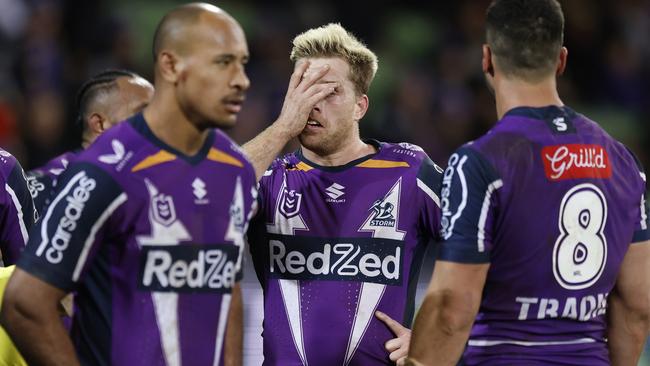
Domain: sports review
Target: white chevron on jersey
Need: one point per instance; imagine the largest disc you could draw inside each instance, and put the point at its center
(290, 289)
(385, 211)
(170, 231)
(165, 232)
(237, 223)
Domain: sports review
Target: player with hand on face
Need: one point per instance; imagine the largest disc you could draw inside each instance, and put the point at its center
(546, 251)
(147, 225)
(344, 221)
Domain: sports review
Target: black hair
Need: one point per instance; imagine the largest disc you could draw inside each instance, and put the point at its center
(97, 85)
(525, 36)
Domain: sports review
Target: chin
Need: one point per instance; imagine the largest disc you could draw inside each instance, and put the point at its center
(224, 122)
(312, 143)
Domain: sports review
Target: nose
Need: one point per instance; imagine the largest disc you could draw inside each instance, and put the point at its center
(239, 79)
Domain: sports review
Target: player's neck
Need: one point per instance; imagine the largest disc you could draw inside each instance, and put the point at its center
(348, 152)
(171, 126)
(513, 93)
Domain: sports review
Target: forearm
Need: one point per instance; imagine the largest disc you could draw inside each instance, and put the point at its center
(440, 332)
(627, 332)
(235, 330)
(39, 336)
(262, 149)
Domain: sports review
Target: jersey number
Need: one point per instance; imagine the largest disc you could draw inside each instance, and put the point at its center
(580, 252)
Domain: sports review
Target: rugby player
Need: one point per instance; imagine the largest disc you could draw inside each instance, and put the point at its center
(17, 212)
(546, 258)
(148, 223)
(104, 100)
(344, 221)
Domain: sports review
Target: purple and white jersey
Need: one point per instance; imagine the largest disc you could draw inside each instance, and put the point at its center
(151, 240)
(17, 213)
(41, 180)
(333, 244)
(552, 202)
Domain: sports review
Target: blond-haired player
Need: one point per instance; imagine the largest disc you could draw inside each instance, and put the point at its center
(344, 221)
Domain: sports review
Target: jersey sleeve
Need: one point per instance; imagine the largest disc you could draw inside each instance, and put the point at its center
(66, 238)
(642, 222)
(469, 207)
(428, 179)
(40, 187)
(257, 232)
(251, 189)
(642, 227)
(18, 216)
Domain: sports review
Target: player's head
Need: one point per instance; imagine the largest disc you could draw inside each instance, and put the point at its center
(334, 120)
(199, 53)
(524, 40)
(108, 98)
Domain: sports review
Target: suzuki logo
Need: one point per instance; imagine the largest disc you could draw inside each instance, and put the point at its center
(199, 191)
(335, 191)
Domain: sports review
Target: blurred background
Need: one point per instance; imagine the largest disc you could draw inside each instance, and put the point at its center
(429, 89)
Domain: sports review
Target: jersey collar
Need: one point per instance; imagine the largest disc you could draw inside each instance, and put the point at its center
(140, 124)
(340, 168)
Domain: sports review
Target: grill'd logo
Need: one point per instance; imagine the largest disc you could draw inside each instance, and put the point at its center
(576, 161)
(342, 259)
(188, 268)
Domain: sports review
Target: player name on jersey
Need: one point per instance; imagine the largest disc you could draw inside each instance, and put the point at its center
(578, 308)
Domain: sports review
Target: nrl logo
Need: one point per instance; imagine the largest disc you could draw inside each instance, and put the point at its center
(163, 209)
(383, 213)
(290, 203)
(237, 216)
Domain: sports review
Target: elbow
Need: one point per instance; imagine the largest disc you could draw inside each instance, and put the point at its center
(455, 311)
(634, 309)
(9, 312)
(641, 310)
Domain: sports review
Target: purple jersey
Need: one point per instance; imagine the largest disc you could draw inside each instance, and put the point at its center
(17, 213)
(338, 243)
(552, 202)
(151, 240)
(41, 180)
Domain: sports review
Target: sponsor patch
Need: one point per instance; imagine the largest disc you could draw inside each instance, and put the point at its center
(575, 161)
(188, 268)
(341, 259)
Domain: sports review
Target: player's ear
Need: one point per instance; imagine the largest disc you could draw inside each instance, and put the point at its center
(486, 62)
(561, 65)
(168, 66)
(361, 107)
(97, 123)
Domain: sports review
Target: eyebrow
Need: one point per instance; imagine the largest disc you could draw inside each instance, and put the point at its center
(230, 57)
(322, 81)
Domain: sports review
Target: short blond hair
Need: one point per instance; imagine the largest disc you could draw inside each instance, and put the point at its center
(332, 40)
